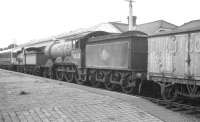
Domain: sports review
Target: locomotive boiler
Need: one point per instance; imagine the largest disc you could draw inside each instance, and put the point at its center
(63, 51)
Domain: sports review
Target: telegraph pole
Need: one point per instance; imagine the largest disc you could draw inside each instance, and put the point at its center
(130, 27)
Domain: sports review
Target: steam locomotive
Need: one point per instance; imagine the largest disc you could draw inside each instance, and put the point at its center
(165, 63)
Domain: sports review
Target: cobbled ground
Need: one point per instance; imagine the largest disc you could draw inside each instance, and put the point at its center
(32, 99)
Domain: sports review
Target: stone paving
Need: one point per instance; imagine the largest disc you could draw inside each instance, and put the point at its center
(24, 98)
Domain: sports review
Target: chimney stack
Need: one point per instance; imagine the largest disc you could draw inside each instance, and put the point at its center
(134, 18)
(131, 18)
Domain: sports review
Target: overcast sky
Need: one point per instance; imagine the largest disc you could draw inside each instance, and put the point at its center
(25, 20)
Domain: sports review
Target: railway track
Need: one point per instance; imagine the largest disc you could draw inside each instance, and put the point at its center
(177, 106)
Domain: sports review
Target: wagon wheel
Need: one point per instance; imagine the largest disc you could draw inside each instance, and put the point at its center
(59, 75)
(169, 93)
(69, 76)
(128, 86)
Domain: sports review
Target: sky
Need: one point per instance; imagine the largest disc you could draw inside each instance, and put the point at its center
(22, 21)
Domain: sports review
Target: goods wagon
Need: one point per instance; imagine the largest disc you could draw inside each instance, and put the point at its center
(35, 56)
(116, 60)
(30, 60)
(5, 57)
(173, 62)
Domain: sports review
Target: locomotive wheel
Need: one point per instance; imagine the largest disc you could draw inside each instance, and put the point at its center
(59, 75)
(127, 86)
(69, 77)
(169, 93)
(96, 84)
(110, 86)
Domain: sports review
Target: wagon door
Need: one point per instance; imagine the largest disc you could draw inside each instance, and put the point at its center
(159, 60)
(195, 55)
(179, 49)
(163, 52)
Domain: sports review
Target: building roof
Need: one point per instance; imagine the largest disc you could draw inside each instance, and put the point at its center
(191, 26)
(112, 27)
(122, 27)
(149, 28)
(155, 27)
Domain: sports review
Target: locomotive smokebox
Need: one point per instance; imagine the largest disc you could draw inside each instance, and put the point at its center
(58, 49)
